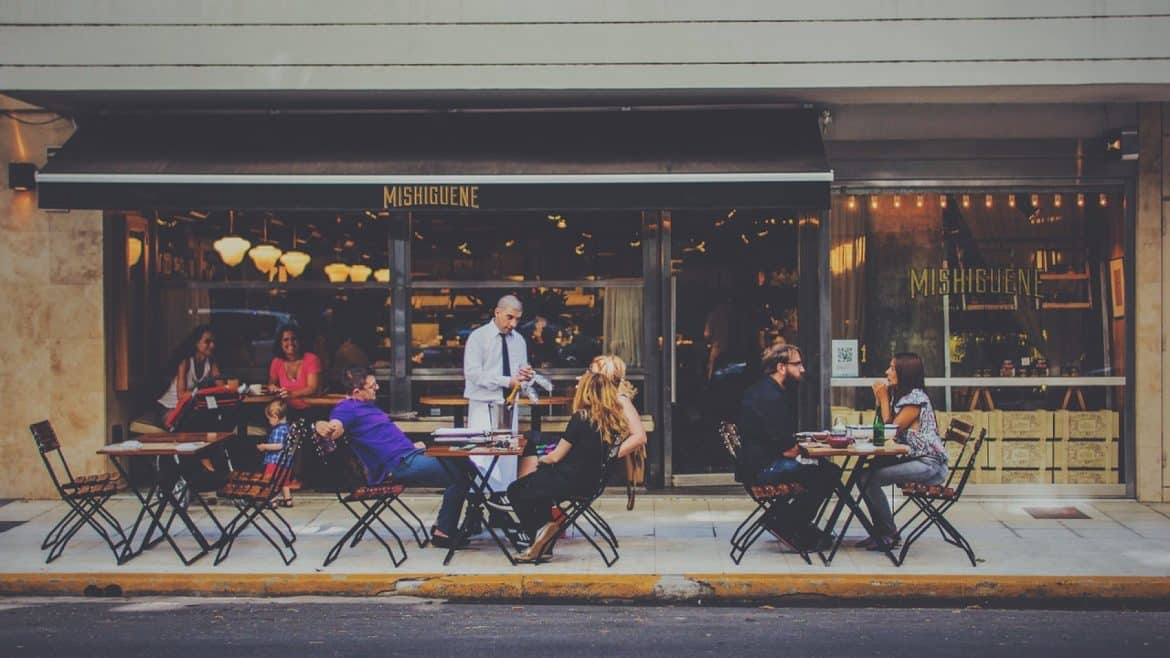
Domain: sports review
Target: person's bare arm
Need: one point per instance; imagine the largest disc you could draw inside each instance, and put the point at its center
(637, 437)
(907, 416)
(558, 453)
(312, 387)
(330, 429)
(181, 378)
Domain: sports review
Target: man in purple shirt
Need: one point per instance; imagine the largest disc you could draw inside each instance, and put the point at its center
(383, 449)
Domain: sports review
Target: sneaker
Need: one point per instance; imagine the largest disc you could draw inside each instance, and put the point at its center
(499, 503)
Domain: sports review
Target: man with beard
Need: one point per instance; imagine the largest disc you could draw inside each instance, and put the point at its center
(767, 424)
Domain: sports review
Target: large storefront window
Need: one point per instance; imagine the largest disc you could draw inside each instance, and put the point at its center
(578, 275)
(324, 273)
(1015, 301)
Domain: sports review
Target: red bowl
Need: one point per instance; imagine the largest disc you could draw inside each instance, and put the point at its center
(839, 442)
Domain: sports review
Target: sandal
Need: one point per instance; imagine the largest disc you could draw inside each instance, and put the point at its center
(284, 502)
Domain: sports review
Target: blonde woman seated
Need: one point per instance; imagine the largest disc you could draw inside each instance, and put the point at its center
(613, 368)
(574, 467)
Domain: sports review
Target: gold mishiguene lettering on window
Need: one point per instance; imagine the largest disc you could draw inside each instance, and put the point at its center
(932, 281)
(407, 196)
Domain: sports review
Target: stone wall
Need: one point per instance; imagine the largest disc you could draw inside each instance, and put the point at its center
(52, 356)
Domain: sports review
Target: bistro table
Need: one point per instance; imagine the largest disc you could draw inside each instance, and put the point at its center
(160, 498)
(327, 400)
(844, 491)
(452, 457)
(460, 403)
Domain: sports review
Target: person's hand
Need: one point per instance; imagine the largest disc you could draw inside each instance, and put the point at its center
(281, 393)
(881, 389)
(420, 445)
(526, 373)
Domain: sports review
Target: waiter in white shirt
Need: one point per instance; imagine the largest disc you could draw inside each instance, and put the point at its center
(495, 360)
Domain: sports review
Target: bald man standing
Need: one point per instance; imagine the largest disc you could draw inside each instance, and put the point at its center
(495, 360)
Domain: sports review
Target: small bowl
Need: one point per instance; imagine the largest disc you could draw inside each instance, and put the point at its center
(861, 432)
(839, 442)
(891, 432)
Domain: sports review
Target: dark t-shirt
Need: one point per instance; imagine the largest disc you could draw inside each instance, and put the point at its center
(767, 423)
(584, 462)
(373, 437)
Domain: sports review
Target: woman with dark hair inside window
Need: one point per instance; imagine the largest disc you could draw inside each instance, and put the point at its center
(190, 366)
(293, 374)
(913, 414)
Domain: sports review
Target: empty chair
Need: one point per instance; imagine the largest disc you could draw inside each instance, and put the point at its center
(86, 496)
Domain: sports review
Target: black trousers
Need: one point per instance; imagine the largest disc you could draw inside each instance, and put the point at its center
(533, 496)
(818, 482)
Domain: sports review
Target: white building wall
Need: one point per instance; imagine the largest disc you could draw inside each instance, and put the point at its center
(535, 45)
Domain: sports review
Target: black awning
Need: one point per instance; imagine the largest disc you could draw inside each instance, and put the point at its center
(488, 160)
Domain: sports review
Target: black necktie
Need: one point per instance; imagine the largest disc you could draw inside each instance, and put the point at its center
(504, 354)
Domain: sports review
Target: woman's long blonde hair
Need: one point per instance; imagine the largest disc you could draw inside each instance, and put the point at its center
(613, 367)
(596, 400)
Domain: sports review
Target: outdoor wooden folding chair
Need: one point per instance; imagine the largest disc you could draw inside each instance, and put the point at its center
(934, 500)
(366, 502)
(768, 498)
(86, 496)
(253, 494)
(577, 509)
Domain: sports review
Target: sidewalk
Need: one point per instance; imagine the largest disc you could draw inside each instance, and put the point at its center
(673, 548)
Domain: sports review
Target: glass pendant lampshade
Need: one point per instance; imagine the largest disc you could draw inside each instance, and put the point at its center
(382, 275)
(264, 257)
(295, 262)
(359, 273)
(133, 251)
(265, 254)
(337, 272)
(231, 248)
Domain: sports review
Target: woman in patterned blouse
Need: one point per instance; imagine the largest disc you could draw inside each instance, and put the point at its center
(913, 414)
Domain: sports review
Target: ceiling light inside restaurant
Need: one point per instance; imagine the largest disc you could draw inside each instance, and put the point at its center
(231, 248)
(359, 273)
(264, 257)
(337, 272)
(295, 262)
(382, 275)
(133, 251)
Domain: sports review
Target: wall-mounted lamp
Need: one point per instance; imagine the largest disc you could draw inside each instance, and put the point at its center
(22, 176)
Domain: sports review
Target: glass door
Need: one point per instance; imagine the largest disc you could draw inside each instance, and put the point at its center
(732, 291)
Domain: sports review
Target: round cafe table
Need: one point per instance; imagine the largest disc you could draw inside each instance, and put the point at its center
(459, 406)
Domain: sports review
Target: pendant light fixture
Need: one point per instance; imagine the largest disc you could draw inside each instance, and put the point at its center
(337, 272)
(265, 254)
(359, 273)
(231, 247)
(382, 275)
(295, 261)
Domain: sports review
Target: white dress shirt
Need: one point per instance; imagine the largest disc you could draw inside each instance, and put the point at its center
(483, 364)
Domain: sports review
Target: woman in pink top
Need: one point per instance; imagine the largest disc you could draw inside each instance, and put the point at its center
(293, 374)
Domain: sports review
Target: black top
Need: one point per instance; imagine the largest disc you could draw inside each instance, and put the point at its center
(767, 423)
(583, 464)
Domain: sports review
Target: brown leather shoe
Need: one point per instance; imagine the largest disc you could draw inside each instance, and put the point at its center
(542, 538)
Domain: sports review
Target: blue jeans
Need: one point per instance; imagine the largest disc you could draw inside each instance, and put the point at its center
(879, 474)
(818, 481)
(416, 469)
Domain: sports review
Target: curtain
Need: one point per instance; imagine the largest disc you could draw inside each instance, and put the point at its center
(622, 320)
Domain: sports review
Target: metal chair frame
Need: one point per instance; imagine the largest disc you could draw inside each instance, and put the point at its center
(252, 494)
(366, 503)
(766, 499)
(86, 496)
(578, 508)
(933, 502)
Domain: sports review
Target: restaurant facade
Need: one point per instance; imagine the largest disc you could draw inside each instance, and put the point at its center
(1017, 248)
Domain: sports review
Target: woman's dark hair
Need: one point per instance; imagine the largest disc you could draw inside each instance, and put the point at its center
(186, 348)
(277, 350)
(911, 375)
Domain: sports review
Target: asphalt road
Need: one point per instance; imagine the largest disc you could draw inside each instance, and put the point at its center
(216, 628)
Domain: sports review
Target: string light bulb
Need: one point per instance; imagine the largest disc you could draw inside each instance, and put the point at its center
(1057, 201)
(1103, 200)
(1011, 201)
(920, 201)
(966, 200)
(1080, 200)
(873, 202)
(1035, 200)
(852, 203)
(897, 200)
(942, 201)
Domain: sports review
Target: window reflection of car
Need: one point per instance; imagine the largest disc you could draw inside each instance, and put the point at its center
(244, 335)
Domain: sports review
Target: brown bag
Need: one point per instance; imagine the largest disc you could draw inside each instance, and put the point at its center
(635, 474)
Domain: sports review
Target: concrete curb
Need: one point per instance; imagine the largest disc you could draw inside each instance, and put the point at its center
(590, 588)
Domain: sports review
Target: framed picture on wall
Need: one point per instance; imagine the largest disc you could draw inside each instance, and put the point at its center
(1117, 286)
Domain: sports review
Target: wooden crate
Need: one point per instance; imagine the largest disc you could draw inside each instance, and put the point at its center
(1022, 449)
(1087, 447)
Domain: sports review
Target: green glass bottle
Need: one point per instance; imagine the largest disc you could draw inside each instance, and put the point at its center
(879, 429)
